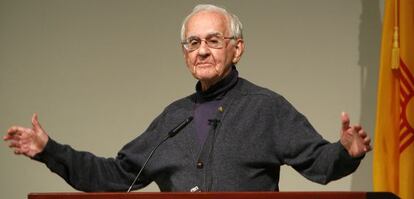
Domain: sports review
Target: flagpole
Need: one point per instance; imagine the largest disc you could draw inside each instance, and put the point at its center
(395, 53)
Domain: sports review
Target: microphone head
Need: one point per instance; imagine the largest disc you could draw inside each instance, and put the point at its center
(177, 129)
(190, 118)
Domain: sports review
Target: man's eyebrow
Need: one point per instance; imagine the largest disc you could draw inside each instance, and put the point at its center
(208, 35)
(192, 37)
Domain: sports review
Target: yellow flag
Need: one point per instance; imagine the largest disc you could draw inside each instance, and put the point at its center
(393, 166)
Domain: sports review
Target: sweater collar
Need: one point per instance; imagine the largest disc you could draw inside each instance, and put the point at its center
(218, 90)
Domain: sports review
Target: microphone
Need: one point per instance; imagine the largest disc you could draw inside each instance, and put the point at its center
(171, 134)
(178, 128)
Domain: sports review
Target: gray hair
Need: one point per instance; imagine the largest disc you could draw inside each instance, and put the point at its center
(235, 25)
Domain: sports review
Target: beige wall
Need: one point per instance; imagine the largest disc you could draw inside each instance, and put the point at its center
(98, 72)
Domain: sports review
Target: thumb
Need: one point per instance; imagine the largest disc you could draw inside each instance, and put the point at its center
(345, 121)
(35, 122)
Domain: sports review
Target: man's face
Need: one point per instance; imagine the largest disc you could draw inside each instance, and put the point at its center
(207, 64)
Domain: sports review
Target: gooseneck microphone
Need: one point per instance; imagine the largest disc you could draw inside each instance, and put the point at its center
(171, 134)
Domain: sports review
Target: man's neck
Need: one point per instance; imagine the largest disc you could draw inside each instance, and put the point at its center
(206, 84)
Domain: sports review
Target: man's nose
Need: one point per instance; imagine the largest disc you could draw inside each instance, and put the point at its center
(204, 50)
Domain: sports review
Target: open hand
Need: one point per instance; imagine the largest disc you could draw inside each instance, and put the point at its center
(354, 138)
(27, 141)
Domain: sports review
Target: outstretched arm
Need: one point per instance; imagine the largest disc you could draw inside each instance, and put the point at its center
(27, 141)
(354, 138)
(82, 170)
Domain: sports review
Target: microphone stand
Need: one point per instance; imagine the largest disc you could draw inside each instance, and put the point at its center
(171, 134)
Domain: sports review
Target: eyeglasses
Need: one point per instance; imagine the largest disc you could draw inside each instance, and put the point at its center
(212, 41)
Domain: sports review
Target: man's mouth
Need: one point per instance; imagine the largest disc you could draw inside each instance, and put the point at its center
(204, 64)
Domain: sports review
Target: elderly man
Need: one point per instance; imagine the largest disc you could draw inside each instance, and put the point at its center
(240, 136)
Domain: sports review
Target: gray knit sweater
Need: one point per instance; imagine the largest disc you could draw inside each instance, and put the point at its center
(257, 132)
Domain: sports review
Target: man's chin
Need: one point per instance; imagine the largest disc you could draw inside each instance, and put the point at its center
(205, 74)
(206, 78)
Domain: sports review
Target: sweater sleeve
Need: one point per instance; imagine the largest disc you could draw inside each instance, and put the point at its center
(85, 171)
(307, 152)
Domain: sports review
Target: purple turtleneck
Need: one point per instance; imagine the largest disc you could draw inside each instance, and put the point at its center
(208, 103)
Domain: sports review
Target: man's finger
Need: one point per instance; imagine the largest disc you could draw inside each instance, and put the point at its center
(358, 127)
(35, 122)
(345, 121)
(7, 137)
(11, 137)
(14, 129)
(14, 144)
(17, 152)
(368, 148)
(367, 140)
(11, 130)
(16, 132)
(362, 133)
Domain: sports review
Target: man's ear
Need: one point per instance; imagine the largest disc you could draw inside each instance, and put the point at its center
(239, 48)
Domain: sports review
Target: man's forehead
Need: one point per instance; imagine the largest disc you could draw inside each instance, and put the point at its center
(206, 23)
(208, 34)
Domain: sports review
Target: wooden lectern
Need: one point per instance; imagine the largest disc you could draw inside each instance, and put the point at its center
(216, 195)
